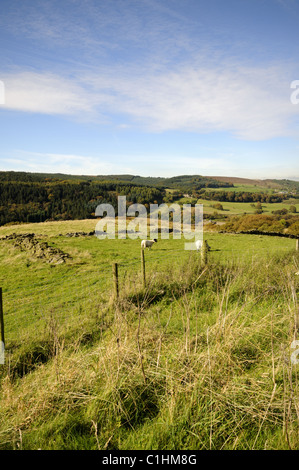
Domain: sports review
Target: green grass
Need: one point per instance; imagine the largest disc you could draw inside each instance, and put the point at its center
(199, 359)
(244, 188)
(238, 208)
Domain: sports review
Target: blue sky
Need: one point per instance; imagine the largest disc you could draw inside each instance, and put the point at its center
(150, 87)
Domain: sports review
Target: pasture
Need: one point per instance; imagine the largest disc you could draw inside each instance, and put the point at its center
(198, 359)
(239, 208)
(252, 188)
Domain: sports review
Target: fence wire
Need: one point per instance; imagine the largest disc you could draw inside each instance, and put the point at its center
(79, 292)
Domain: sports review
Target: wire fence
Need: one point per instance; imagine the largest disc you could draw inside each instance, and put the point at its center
(77, 292)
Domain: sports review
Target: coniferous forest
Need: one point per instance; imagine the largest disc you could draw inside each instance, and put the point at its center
(33, 198)
(38, 197)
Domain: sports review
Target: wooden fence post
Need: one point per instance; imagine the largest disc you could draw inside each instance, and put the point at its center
(2, 344)
(143, 267)
(297, 245)
(115, 279)
(204, 253)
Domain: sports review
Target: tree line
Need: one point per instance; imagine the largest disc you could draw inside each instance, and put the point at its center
(41, 200)
(242, 196)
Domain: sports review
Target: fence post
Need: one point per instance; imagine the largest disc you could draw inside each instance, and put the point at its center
(204, 253)
(115, 279)
(2, 343)
(297, 244)
(143, 267)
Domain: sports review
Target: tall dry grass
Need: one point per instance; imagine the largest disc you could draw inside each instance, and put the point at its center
(199, 359)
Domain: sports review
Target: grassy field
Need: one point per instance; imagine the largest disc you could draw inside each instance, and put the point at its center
(241, 187)
(238, 208)
(198, 359)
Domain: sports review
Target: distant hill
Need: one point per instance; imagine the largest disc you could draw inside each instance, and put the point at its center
(32, 197)
(180, 182)
(36, 197)
(238, 180)
(284, 184)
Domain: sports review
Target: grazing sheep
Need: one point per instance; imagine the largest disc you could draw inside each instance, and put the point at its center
(148, 243)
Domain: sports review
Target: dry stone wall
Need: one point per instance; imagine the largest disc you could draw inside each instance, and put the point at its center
(38, 249)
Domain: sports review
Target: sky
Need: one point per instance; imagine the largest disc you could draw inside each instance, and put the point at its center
(150, 87)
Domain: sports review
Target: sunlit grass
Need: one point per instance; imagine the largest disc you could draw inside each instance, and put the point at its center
(198, 359)
(239, 208)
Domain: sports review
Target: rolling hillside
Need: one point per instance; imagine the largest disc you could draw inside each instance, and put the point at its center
(198, 359)
(166, 182)
(197, 356)
(38, 197)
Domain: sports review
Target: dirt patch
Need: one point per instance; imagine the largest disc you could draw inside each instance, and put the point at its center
(38, 249)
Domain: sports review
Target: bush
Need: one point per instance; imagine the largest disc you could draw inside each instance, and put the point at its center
(218, 206)
(264, 223)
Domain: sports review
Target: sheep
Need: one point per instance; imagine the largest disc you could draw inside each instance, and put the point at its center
(148, 243)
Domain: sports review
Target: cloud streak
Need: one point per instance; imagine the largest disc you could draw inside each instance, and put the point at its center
(64, 163)
(251, 103)
(46, 93)
(142, 65)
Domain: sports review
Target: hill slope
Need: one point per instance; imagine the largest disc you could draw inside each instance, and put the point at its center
(199, 359)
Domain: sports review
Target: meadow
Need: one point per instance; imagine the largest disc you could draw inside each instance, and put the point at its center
(255, 188)
(239, 208)
(199, 358)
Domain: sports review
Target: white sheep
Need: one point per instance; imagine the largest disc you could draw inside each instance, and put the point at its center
(148, 243)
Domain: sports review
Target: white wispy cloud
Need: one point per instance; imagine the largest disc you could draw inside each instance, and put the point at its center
(250, 102)
(141, 61)
(152, 165)
(48, 162)
(45, 93)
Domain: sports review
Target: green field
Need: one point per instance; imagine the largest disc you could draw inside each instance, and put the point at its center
(238, 208)
(245, 188)
(200, 358)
